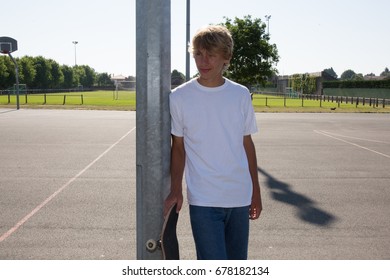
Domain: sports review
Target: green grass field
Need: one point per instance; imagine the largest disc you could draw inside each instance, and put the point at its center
(126, 100)
(100, 100)
(267, 103)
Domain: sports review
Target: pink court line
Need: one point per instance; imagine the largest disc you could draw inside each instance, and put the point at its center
(351, 143)
(47, 200)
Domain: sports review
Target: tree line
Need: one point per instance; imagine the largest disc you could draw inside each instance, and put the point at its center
(353, 76)
(42, 73)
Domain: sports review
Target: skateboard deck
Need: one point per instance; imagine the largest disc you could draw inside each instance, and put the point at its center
(169, 242)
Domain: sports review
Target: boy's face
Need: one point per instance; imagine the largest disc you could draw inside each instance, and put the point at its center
(210, 65)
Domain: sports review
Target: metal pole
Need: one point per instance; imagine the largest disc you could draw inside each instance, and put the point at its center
(153, 140)
(75, 56)
(188, 40)
(267, 17)
(17, 80)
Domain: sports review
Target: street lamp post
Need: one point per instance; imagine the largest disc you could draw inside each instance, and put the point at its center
(75, 56)
(267, 18)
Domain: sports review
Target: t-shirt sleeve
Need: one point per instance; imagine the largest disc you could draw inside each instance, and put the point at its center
(176, 116)
(250, 117)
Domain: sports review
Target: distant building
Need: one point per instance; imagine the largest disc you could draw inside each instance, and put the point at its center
(284, 82)
(123, 83)
(374, 78)
(118, 79)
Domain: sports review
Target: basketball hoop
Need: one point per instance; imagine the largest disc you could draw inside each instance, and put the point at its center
(8, 45)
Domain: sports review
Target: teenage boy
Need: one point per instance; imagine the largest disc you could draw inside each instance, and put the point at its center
(212, 123)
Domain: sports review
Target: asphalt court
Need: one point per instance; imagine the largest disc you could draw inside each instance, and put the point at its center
(67, 186)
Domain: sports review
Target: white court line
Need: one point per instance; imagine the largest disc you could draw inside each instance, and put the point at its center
(357, 138)
(47, 200)
(353, 144)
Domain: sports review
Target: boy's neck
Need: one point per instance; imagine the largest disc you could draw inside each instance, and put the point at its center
(216, 82)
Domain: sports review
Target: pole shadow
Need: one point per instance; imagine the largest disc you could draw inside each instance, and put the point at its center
(306, 209)
(8, 111)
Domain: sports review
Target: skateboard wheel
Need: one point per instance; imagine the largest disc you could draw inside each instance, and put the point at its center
(151, 245)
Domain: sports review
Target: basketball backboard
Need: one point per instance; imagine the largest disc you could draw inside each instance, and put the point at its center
(8, 45)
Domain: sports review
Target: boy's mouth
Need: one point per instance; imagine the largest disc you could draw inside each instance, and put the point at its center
(204, 70)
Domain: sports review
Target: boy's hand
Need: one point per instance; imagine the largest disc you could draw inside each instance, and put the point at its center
(256, 205)
(171, 200)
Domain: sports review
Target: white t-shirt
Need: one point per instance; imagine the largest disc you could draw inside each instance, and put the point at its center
(213, 122)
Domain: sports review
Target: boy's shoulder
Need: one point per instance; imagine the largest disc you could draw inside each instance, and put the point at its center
(237, 85)
(183, 86)
(238, 89)
(181, 89)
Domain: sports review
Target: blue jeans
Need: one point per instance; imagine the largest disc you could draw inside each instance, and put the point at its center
(220, 233)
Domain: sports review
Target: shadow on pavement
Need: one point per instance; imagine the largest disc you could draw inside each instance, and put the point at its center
(307, 211)
(7, 111)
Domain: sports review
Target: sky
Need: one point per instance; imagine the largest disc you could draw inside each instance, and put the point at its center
(310, 35)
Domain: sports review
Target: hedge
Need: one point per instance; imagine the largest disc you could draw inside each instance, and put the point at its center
(357, 84)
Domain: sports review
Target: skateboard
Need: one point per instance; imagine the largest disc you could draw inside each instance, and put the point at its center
(168, 242)
(168, 238)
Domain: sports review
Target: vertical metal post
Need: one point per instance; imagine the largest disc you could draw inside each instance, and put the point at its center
(75, 54)
(267, 18)
(188, 23)
(153, 64)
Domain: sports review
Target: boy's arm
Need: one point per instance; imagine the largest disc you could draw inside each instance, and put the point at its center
(256, 205)
(177, 168)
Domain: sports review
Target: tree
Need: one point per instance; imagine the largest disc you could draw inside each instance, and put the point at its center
(84, 75)
(90, 76)
(347, 75)
(5, 72)
(27, 70)
(103, 79)
(253, 55)
(177, 78)
(386, 73)
(331, 72)
(56, 74)
(304, 83)
(358, 77)
(41, 73)
(79, 75)
(43, 76)
(352, 76)
(69, 77)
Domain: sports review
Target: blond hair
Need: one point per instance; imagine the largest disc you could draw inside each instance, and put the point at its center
(214, 38)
